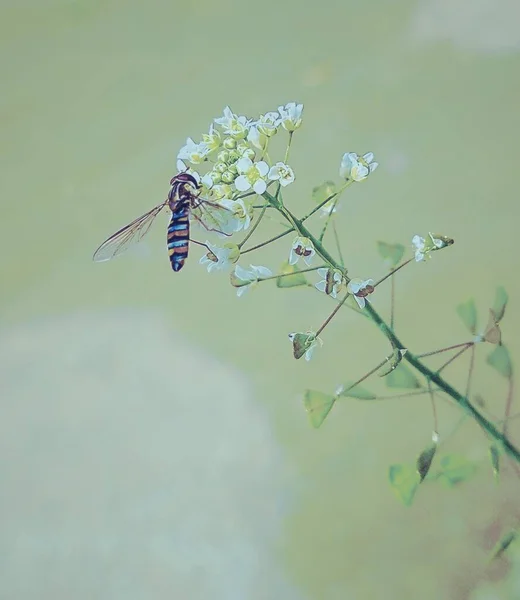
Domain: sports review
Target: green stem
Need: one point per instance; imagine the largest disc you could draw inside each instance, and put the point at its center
(288, 274)
(332, 314)
(304, 232)
(338, 247)
(444, 386)
(392, 272)
(331, 197)
(414, 361)
(288, 147)
(269, 241)
(327, 222)
(252, 230)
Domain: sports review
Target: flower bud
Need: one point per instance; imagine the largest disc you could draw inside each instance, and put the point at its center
(223, 156)
(228, 177)
(234, 155)
(216, 177)
(229, 143)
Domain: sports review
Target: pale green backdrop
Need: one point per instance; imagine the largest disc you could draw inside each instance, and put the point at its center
(154, 444)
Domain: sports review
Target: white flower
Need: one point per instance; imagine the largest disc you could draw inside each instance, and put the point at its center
(235, 216)
(252, 175)
(256, 138)
(268, 123)
(222, 191)
(282, 173)
(331, 282)
(301, 247)
(419, 245)
(304, 344)
(261, 130)
(423, 247)
(195, 153)
(233, 125)
(291, 116)
(212, 140)
(220, 258)
(244, 279)
(356, 167)
(360, 289)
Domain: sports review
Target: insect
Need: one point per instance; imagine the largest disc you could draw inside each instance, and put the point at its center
(182, 198)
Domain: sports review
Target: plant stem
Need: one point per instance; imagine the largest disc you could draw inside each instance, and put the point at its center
(331, 197)
(304, 232)
(338, 247)
(432, 376)
(329, 217)
(278, 275)
(269, 241)
(331, 316)
(252, 230)
(448, 389)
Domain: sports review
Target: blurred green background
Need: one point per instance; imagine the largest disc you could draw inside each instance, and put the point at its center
(154, 444)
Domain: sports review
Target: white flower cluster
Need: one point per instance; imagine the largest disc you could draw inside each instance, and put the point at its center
(235, 149)
(232, 166)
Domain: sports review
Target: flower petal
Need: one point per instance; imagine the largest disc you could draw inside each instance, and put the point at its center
(308, 259)
(274, 173)
(321, 285)
(262, 167)
(259, 186)
(243, 274)
(261, 271)
(360, 301)
(293, 257)
(244, 164)
(242, 183)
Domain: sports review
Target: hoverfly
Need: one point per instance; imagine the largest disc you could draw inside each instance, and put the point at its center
(182, 198)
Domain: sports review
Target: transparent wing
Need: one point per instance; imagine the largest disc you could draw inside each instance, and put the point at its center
(132, 233)
(211, 216)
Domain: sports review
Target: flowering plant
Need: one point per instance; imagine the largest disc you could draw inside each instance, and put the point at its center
(243, 185)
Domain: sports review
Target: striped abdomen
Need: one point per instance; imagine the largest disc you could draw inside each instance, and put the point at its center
(179, 234)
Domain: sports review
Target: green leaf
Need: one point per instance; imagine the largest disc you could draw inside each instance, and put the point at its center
(402, 377)
(499, 306)
(503, 544)
(468, 313)
(455, 469)
(404, 480)
(391, 253)
(291, 277)
(424, 461)
(356, 391)
(317, 405)
(323, 191)
(494, 454)
(499, 359)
